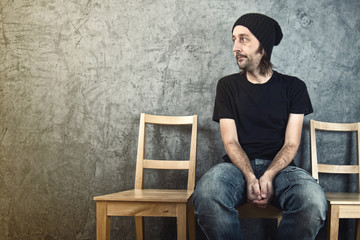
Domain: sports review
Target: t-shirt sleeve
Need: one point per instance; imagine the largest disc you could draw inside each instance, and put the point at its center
(299, 98)
(223, 106)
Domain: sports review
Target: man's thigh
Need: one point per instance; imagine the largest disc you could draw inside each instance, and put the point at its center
(295, 184)
(224, 181)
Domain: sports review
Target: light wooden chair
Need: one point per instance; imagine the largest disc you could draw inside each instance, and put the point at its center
(250, 211)
(141, 202)
(340, 204)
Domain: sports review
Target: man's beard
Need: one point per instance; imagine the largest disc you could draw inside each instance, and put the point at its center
(244, 63)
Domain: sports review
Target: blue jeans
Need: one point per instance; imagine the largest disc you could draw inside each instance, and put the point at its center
(223, 188)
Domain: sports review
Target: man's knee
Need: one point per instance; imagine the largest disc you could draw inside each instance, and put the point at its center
(314, 197)
(308, 199)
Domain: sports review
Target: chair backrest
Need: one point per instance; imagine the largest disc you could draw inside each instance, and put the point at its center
(333, 168)
(143, 163)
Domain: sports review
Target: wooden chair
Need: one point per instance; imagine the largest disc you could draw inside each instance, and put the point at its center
(141, 202)
(250, 211)
(340, 204)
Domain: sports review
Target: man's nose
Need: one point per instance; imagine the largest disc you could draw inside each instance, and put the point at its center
(237, 47)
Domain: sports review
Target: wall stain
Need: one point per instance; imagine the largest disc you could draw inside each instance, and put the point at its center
(303, 17)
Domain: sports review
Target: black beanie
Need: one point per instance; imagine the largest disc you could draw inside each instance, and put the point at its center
(264, 28)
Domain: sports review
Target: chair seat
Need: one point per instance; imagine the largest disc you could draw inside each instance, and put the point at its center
(343, 198)
(250, 211)
(148, 195)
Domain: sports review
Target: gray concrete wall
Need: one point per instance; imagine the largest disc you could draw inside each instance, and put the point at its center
(75, 75)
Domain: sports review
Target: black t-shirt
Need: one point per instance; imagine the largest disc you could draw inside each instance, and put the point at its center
(260, 111)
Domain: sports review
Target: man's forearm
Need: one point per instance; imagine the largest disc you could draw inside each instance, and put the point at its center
(282, 159)
(240, 160)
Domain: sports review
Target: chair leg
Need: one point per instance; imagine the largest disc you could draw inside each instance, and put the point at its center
(102, 221)
(334, 222)
(357, 237)
(139, 223)
(328, 224)
(181, 221)
(191, 223)
(278, 220)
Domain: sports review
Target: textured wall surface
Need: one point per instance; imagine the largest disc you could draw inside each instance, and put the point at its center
(76, 74)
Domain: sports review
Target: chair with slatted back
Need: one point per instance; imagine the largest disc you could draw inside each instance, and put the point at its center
(340, 204)
(140, 202)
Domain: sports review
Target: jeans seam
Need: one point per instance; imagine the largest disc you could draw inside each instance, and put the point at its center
(235, 189)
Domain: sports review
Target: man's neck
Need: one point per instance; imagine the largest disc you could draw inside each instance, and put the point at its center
(256, 78)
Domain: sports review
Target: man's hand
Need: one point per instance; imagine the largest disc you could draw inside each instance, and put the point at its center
(253, 190)
(266, 192)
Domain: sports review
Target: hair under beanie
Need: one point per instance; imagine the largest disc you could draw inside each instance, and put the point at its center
(265, 29)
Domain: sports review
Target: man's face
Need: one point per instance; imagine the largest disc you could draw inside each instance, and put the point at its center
(246, 48)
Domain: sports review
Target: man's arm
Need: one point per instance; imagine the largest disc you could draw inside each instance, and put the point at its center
(283, 158)
(290, 147)
(238, 157)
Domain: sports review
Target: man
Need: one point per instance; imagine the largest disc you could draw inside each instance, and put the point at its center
(261, 115)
